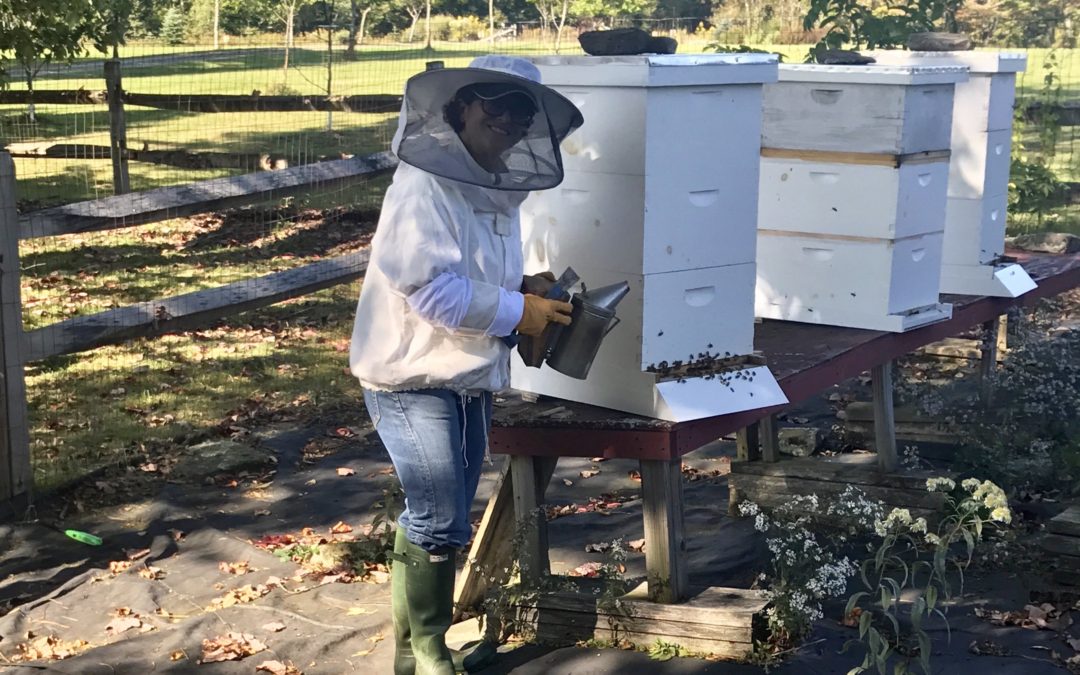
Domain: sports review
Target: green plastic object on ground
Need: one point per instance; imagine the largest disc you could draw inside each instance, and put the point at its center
(84, 537)
(77, 535)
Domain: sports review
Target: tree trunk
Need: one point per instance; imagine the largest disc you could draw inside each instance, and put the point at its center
(491, 21)
(217, 18)
(30, 111)
(560, 24)
(363, 22)
(354, 21)
(288, 43)
(427, 24)
(412, 27)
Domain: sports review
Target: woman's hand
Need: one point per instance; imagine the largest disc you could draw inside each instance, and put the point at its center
(539, 312)
(537, 284)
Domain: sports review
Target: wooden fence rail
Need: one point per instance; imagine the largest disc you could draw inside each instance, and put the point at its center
(213, 103)
(164, 203)
(156, 317)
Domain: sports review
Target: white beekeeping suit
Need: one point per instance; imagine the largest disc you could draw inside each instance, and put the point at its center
(443, 284)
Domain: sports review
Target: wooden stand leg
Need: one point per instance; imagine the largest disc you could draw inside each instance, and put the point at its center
(491, 553)
(992, 335)
(529, 487)
(665, 545)
(747, 448)
(884, 421)
(768, 435)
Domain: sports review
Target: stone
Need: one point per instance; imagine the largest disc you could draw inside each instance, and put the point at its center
(843, 57)
(661, 44)
(798, 441)
(617, 42)
(1046, 242)
(215, 457)
(938, 42)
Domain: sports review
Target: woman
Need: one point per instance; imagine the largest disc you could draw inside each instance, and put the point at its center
(443, 294)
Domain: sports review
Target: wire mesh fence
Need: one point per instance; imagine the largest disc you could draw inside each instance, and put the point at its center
(194, 113)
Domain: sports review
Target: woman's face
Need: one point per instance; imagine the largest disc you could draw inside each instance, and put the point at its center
(490, 128)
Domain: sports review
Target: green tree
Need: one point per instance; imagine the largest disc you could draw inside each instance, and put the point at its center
(610, 10)
(34, 33)
(174, 25)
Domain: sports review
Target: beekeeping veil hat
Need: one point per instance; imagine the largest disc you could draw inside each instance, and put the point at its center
(426, 140)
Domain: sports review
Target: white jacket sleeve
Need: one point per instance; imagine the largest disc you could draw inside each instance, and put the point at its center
(418, 249)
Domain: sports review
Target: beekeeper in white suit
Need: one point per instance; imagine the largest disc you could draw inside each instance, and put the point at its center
(443, 294)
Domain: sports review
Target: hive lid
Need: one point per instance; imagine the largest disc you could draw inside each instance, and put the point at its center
(977, 62)
(697, 397)
(906, 75)
(657, 70)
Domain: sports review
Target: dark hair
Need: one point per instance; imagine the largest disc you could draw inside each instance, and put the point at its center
(455, 107)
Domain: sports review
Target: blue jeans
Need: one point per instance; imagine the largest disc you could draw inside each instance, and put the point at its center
(437, 441)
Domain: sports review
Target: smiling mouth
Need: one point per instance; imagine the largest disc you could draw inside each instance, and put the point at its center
(499, 130)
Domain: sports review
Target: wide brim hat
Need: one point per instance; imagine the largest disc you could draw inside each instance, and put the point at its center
(534, 163)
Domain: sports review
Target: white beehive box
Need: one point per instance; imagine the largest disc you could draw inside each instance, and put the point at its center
(979, 173)
(895, 110)
(661, 191)
(852, 199)
(880, 284)
(853, 194)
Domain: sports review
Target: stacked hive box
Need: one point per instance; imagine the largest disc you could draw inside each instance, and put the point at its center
(979, 171)
(855, 163)
(660, 191)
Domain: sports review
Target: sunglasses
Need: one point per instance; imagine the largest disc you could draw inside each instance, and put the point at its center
(519, 106)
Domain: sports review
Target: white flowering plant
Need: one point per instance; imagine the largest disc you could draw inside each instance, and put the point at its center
(807, 567)
(1030, 436)
(913, 558)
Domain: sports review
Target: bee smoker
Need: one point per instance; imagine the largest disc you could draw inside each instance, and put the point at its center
(571, 349)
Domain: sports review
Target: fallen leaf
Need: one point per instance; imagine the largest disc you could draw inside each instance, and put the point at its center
(345, 471)
(341, 528)
(277, 668)
(636, 544)
(124, 623)
(589, 569)
(274, 626)
(635, 475)
(567, 482)
(595, 460)
(149, 467)
(237, 596)
(987, 648)
(230, 647)
(262, 512)
(237, 568)
(47, 647)
(178, 655)
(598, 548)
(589, 473)
(176, 535)
(1074, 643)
(359, 611)
(119, 566)
(152, 573)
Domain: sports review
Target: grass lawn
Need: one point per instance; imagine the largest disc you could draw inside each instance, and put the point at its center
(122, 403)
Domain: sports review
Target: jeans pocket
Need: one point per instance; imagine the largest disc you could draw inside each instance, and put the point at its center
(371, 401)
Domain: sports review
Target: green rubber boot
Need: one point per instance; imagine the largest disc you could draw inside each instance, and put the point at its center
(429, 595)
(404, 661)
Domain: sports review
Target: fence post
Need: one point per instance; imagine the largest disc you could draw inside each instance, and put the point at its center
(15, 473)
(117, 128)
